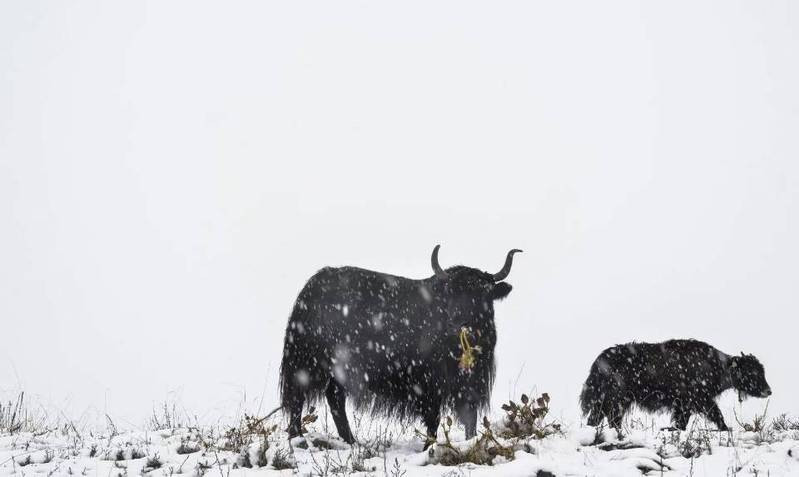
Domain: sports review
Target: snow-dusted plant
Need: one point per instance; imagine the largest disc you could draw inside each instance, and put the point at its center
(785, 423)
(480, 450)
(283, 459)
(759, 429)
(251, 440)
(166, 417)
(528, 419)
(187, 446)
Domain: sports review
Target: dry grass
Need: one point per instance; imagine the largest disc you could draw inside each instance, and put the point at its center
(16, 416)
(166, 416)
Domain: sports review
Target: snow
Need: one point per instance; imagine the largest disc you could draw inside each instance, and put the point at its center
(385, 449)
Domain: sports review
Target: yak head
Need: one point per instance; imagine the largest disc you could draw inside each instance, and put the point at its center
(468, 291)
(748, 376)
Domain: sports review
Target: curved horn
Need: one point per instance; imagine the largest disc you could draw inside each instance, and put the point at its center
(502, 274)
(440, 273)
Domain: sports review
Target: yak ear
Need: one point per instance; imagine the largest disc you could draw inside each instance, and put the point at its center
(500, 290)
(735, 371)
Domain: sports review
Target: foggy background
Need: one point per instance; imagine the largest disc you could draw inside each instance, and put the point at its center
(172, 172)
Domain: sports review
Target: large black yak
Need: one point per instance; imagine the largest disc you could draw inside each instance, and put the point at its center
(681, 376)
(396, 347)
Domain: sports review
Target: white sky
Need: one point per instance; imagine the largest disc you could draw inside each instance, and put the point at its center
(172, 172)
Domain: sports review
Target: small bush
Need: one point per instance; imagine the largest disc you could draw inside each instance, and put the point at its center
(282, 460)
(136, 453)
(528, 419)
(696, 443)
(482, 451)
(250, 429)
(785, 423)
(187, 447)
(758, 423)
(152, 463)
(201, 468)
(521, 423)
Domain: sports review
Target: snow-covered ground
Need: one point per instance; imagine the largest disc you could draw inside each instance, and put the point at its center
(393, 450)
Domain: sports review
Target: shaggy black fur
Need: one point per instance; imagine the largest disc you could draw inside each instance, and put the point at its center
(681, 376)
(391, 344)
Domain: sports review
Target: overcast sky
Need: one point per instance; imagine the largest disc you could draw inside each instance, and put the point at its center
(172, 172)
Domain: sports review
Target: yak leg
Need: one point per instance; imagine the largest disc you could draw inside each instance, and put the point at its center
(337, 399)
(615, 411)
(713, 413)
(614, 420)
(432, 418)
(595, 415)
(467, 414)
(595, 418)
(681, 416)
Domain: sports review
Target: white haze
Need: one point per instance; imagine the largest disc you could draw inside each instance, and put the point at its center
(172, 172)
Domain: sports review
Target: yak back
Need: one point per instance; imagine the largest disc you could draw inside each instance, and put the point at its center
(391, 341)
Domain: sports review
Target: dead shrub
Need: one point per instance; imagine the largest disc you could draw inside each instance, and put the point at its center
(482, 451)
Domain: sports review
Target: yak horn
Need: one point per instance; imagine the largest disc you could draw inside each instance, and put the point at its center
(502, 274)
(440, 273)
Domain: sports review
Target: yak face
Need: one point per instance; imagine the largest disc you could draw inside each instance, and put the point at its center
(470, 293)
(748, 376)
(476, 285)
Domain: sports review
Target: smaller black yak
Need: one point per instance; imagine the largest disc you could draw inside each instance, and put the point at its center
(681, 376)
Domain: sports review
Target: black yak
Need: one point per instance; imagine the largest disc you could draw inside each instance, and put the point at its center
(681, 376)
(396, 347)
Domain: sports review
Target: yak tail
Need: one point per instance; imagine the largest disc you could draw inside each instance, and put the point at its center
(296, 379)
(594, 393)
(302, 374)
